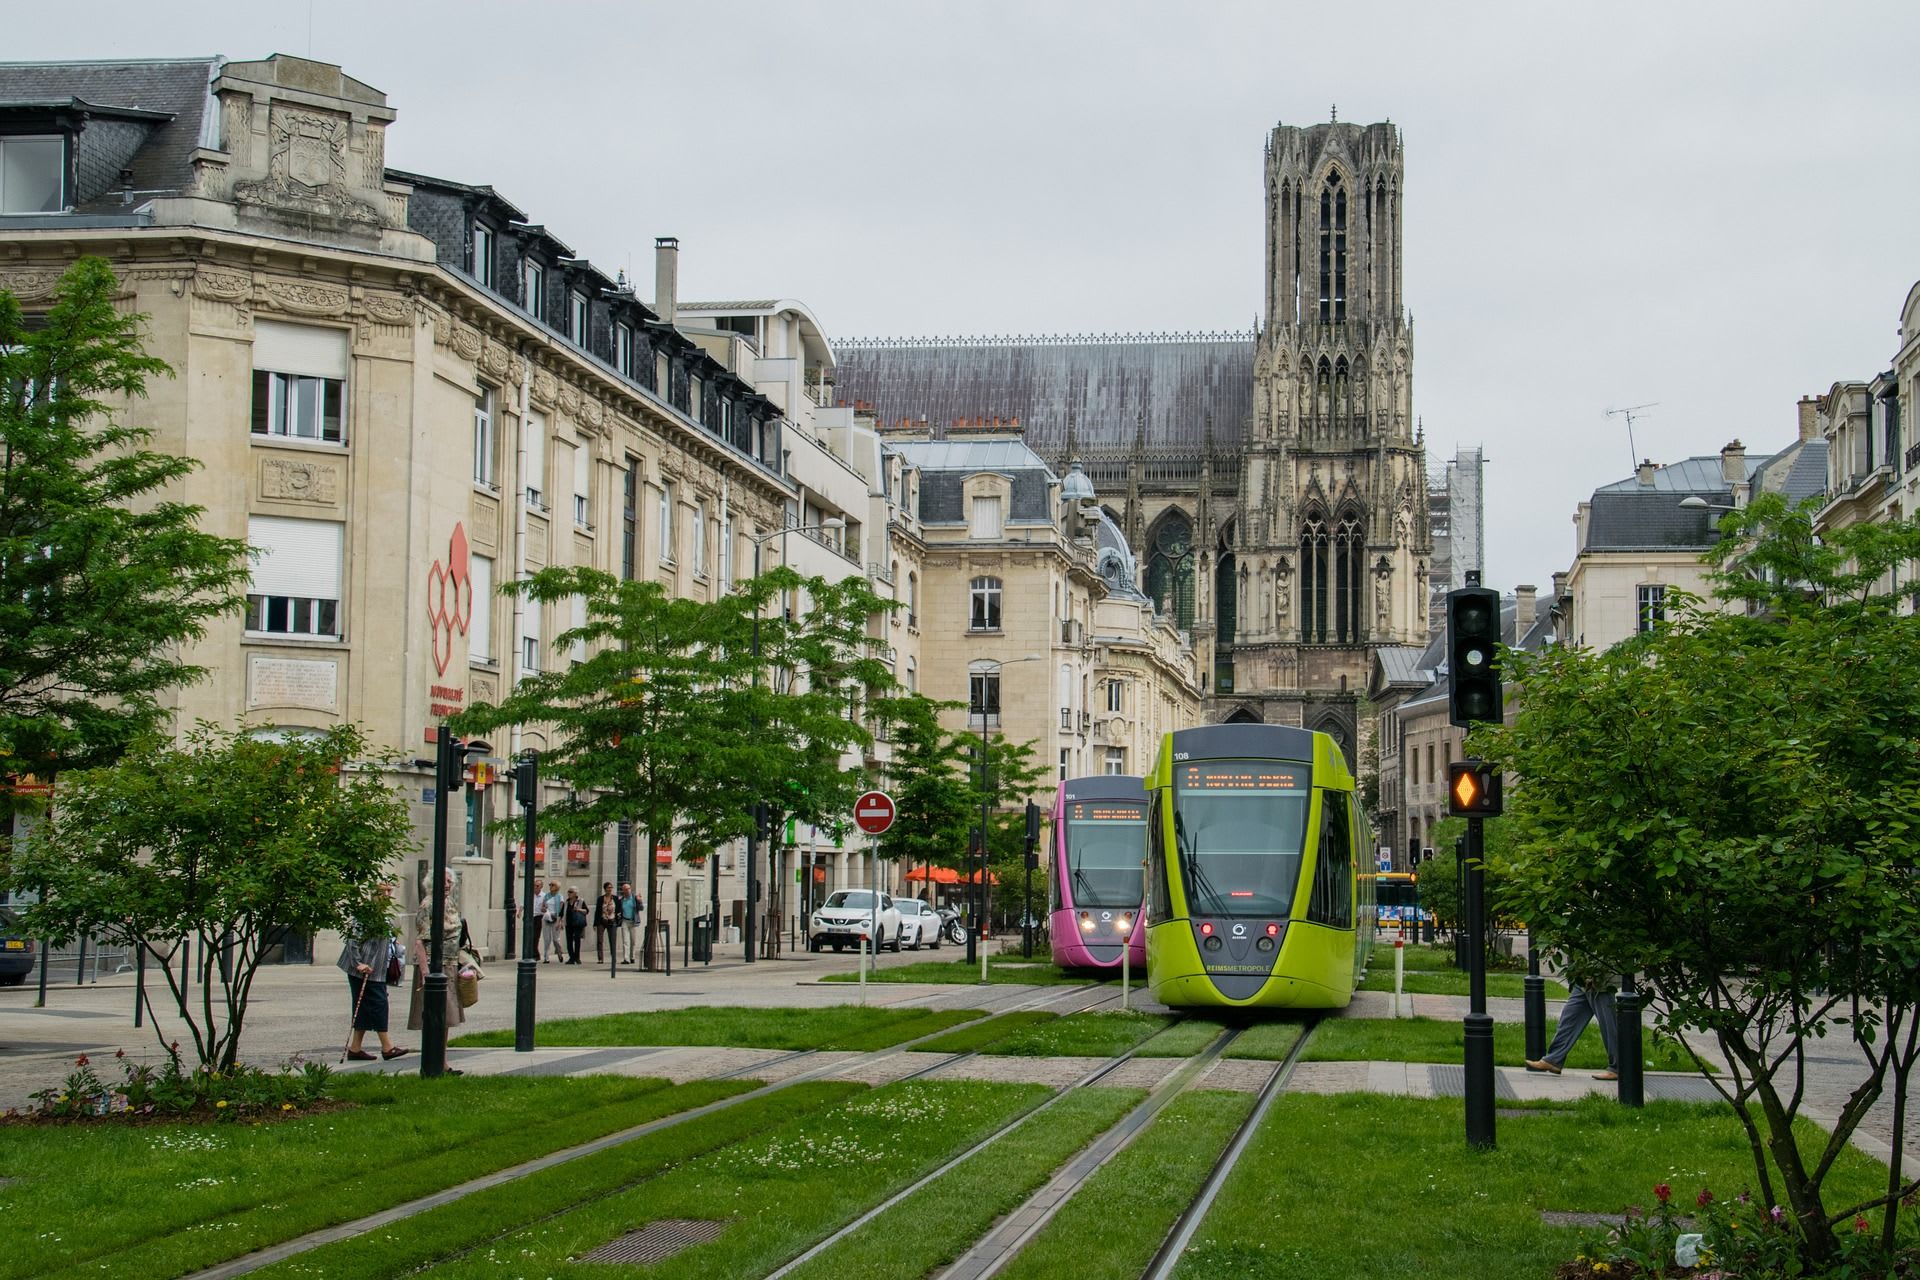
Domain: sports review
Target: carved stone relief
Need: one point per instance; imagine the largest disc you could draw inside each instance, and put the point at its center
(308, 299)
(389, 310)
(223, 286)
(297, 480)
(494, 359)
(544, 388)
(307, 167)
(486, 522)
(466, 341)
(29, 286)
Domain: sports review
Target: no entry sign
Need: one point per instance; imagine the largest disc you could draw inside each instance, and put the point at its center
(873, 812)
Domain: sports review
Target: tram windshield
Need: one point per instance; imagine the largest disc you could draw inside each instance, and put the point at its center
(1241, 826)
(1106, 842)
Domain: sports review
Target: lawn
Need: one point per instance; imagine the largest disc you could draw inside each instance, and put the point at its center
(1081, 1035)
(1183, 1039)
(840, 1026)
(1421, 1202)
(776, 1193)
(939, 1222)
(1155, 1178)
(999, 969)
(1435, 1040)
(982, 1034)
(1451, 982)
(1270, 1041)
(453, 1230)
(164, 1199)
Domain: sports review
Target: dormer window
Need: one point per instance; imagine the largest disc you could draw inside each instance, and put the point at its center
(533, 286)
(577, 317)
(483, 255)
(33, 174)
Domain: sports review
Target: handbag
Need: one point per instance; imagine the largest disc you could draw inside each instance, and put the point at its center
(466, 981)
(396, 962)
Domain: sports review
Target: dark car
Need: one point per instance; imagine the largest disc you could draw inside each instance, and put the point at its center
(16, 950)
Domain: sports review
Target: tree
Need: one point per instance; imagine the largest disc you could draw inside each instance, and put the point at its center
(1730, 805)
(102, 579)
(934, 806)
(220, 843)
(1015, 777)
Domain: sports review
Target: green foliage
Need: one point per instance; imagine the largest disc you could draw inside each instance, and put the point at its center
(934, 807)
(841, 1026)
(1730, 805)
(102, 578)
(218, 841)
(244, 1092)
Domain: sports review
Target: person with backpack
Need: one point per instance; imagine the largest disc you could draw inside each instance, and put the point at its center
(576, 909)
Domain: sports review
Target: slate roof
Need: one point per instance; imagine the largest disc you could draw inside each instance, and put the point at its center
(1109, 386)
(945, 465)
(1689, 475)
(1650, 521)
(179, 87)
(1400, 664)
(1797, 472)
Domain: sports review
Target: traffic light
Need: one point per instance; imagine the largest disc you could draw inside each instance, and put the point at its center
(526, 780)
(1473, 790)
(1033, 836)
(1473, 653)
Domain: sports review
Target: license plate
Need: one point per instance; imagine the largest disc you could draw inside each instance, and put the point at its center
(16, 944)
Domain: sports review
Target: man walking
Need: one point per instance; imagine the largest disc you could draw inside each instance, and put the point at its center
(1589, 998)
(629, 920)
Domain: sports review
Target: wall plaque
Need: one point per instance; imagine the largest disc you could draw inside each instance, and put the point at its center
(295, 480)
(307, 683)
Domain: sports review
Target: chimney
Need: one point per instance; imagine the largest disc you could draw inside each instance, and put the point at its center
(1523, 611)
(1733, 462)
(1646, 471)
(666, 275)
(1809, 418)
(1560, 586)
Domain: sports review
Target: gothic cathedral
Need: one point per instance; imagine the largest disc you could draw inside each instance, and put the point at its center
(1273, 484)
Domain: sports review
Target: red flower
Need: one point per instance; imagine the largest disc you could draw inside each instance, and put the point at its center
(1662, 1192)
(80, 1061)
(1704, 1199)
(119, 1053)
(1860, 1224)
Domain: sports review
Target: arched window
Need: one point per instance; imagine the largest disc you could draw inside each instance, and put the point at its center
(1170, 568)
(1226, 597)
(985, 612)
(913, 599)
(1333, 251)
(1313, 581)
(1332, 566)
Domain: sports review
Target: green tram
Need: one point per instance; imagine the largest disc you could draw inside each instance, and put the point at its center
(1259, 884)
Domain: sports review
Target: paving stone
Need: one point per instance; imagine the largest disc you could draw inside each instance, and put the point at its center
(1243, 1075)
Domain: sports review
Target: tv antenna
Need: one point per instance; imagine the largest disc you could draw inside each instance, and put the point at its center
(1628, 413)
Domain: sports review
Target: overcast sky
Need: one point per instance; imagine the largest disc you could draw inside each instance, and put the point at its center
(1715, 207)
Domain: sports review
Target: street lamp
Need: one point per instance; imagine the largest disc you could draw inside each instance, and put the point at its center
(760, 816)
(1694, 502)
(978, 934)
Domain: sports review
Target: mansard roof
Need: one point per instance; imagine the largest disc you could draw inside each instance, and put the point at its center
(1111, 387)
(169, 98)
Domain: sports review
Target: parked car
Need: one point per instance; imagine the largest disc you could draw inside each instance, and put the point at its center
(16, 950)
(844, 918)
(920, 924)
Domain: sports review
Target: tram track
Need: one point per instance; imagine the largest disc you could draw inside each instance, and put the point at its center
(1167, 1258)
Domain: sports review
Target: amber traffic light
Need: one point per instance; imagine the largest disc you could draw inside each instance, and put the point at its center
(1473, 790)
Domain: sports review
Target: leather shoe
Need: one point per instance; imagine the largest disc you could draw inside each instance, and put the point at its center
(1608, 1074)
(1541, 1064)
(398, 1051)
(359, 1055)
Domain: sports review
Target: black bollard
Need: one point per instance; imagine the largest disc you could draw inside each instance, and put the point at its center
(1626, 1043)
(45, 957)
(1534, 989)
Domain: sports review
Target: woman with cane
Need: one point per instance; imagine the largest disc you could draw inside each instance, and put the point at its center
(364, 960)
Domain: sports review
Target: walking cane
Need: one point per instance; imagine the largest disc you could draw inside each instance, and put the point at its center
(356, 1016)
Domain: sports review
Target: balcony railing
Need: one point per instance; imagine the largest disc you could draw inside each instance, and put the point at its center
(1913, 455)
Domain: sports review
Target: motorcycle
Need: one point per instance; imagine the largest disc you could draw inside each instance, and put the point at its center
(950, 927)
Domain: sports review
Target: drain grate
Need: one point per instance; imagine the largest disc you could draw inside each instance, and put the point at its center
(655, 1241)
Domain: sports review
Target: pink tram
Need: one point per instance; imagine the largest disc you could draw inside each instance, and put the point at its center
(1099, 873)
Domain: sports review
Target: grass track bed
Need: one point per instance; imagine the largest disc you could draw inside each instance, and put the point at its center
(1010, 969)
(162, 1200)
(1081, 1035)
(778, 1192)
(842, 1026)
(1266, 1041)
(1183, 1039)
(1421, 1204)
(939, 1222)
(1155, 1178)
(990, 1032)
(1434, 1040)
(1450, 982)
(439, 1234)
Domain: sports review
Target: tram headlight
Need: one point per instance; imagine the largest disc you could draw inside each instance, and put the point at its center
(1211, 943)
(1086, 922)
(1125, 923)
(1263, 944)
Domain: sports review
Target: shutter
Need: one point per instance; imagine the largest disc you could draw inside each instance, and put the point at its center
(480, 625)
(300, 348)
(533, 447)
(582, 470)
(297, 557)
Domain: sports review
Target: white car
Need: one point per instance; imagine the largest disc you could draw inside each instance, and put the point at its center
(919, 924)
(844, 918)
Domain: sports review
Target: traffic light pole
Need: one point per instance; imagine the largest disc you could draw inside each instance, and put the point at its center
(526, 789)
(433, 1009)
(1479, 1025)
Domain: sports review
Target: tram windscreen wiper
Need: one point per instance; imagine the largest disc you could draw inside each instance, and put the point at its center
(1190, 863)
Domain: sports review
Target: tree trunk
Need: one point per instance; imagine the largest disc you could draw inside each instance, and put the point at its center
(650, 960)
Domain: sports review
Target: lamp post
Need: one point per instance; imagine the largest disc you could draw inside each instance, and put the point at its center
(449, 769)
(760, 814)
(978, 934)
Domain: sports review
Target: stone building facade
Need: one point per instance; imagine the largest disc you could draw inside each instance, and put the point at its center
(1271, 486)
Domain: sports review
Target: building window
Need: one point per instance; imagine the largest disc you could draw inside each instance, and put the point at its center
(986, 517)
(480, 623)
(1653, 607)
(33, 173)
(1332, 565)
(482, 255)
(983, 694)
(985, 615)
(1116, 695)
(299, 382)
(1066, 762)
(533, 458)
(533, 287)
(726, 555)
(1170, 569)
(1116, 762)
(530, 639)
(700, 539)
(582, 486)
(666, 522)
(623, 349)
(913, 599)
(485, 446)
(629, 519)
(294, 588)
(913, 677)
(579, 649)
(577, 317)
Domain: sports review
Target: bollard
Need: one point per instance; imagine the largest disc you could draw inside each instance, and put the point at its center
(80, 965)
(1626, 1044)
(1534, 989)
(139, 984)
(1399, 971)
(45, 957)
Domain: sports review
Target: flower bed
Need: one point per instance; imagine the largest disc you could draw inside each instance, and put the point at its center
(172, 1093)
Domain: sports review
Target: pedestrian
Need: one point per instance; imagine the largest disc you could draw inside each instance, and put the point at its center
(451, 926)
(606, 918)
(364, 959)
(576, 910)
(1589, 998)
(553, 921)
(629, 920)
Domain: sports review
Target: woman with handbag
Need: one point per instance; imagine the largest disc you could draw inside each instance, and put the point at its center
(450, 926)
(366, 959)
(576, 925)
(606, 918)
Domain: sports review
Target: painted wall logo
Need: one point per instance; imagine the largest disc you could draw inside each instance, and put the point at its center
(450, 598)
